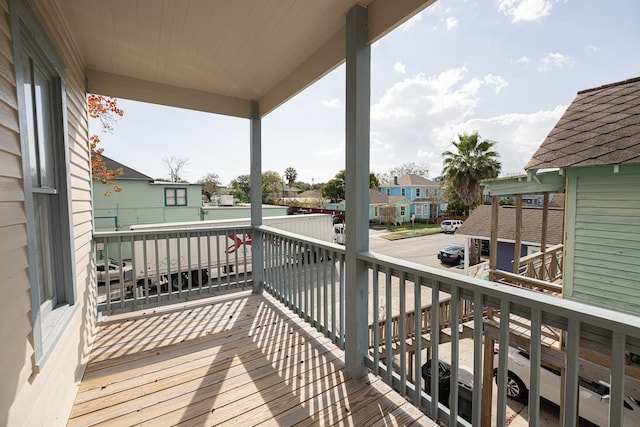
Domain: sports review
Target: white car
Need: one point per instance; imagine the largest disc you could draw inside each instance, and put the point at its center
(450, 225)
(594, 399)
(114, 270)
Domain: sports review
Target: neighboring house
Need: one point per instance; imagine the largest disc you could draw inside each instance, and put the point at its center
(427, 197)
(595, 148)
(144, 200)
(378, 202)
(478, 226)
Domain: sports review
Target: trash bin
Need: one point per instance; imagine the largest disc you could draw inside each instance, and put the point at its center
(444, 380)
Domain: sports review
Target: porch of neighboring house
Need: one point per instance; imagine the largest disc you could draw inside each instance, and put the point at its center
(238, 358)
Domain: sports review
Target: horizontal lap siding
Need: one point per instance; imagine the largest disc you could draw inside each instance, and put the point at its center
(606, 267)
(45, 397)
(15, 305)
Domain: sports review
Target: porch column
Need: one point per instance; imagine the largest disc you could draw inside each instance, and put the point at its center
(255, 154)
(358, 82)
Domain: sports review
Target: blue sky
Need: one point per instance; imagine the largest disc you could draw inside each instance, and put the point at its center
(505, 68)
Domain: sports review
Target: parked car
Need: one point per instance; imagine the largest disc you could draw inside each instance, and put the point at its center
(301, 212)
(450, 225)
(452, 254)
(594, 398)
(465, 386)
(114, 270)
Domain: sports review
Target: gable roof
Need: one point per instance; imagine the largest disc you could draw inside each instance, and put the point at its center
(411, 179)
(376, 197)
(478, 225)
(128, 173)
(600, 127)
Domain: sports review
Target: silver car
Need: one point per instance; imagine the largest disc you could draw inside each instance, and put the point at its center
(594, 398)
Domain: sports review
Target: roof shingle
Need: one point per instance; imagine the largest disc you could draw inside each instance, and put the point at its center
(600, 127)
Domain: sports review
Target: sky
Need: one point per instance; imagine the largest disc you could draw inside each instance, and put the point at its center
(507, 69)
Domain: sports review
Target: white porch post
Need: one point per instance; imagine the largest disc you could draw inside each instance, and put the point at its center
(257, 264)
(358, 82)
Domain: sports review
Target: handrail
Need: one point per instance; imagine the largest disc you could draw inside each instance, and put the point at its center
(545, 266)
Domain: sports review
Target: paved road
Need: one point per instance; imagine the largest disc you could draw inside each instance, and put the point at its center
(422, 250)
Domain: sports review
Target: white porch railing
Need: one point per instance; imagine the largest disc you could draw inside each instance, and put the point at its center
(307, 275)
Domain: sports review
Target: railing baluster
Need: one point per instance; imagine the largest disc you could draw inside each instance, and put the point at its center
(455, 354)
(616, 389)
(435, 342)
(571, 373)
(534, 374)
(503, 357)
(375, 330)
(388, 340)
(403, 334)
(417, 340)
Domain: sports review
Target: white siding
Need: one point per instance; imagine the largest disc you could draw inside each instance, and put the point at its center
(29, 397)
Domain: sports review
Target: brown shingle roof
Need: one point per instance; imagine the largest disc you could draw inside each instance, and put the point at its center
(479, 224)
(600, 127)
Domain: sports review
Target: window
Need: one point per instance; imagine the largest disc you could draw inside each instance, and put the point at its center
(388, 191)
(403, 210)
(403, 192)
(417, 191)
(175, 197)
(376, 211)
(41, 106)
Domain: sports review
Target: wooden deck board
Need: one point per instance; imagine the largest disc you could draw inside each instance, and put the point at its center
(239, 359)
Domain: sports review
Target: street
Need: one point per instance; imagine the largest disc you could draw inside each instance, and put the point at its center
(421, 250)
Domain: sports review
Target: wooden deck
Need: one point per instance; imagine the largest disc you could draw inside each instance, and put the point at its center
(239, 359)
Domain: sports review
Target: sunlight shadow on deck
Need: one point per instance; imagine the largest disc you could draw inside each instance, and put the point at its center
(238, 359)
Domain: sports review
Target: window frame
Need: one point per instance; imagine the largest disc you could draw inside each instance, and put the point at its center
(403, 210)
(51, 317)
(175, 190)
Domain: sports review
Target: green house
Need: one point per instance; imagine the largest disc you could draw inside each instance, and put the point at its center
(595, 151)
(144, 200)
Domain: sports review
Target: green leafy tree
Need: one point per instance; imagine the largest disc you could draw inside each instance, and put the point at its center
(335, 188)
(290, 174)
(473, 160)
(240, 188)
(272, 186)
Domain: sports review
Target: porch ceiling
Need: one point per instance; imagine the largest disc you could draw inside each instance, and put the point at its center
(217, 55)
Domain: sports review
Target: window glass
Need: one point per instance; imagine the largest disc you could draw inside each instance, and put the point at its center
(170, 197)
(181, 196)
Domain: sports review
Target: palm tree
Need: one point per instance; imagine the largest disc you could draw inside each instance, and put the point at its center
(474, 161)
(290, 174)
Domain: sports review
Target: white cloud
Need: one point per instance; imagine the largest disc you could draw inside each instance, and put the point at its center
(522, 60)
(555, 60)
(591, 49)
(497, 81)
(451, 22)
(399, 67)
(411, 22)
(526, 10)
(332, 103)
(418, 117)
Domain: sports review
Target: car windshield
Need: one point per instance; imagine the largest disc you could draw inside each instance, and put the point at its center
(453, 248)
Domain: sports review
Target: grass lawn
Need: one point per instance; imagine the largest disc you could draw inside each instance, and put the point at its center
(407, 231)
